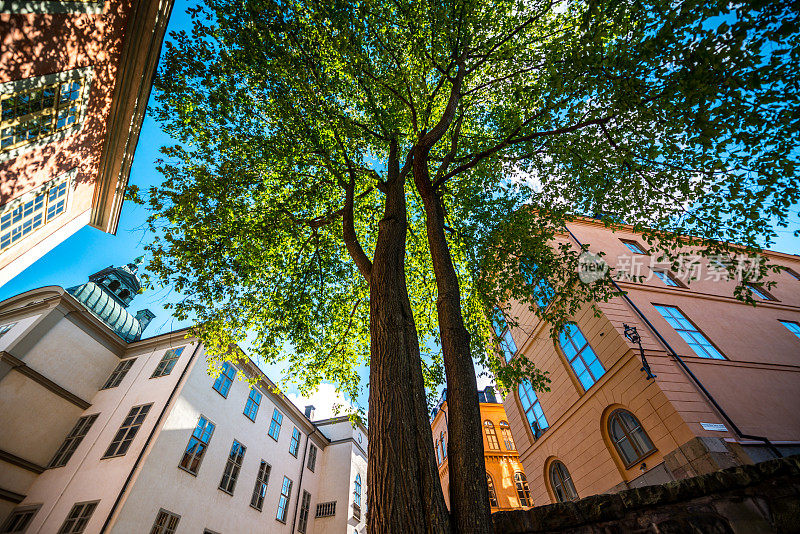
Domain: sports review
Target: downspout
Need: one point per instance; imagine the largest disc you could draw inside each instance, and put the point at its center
(149, 438)
(300, 478)
(686, 369)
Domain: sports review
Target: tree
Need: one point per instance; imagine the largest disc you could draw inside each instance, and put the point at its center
(344, 166)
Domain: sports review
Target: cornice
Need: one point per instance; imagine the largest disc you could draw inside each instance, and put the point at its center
(21, 367)
(13, 459)
(689, 292)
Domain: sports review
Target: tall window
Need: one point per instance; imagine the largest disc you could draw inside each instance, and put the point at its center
(491, 436)
(503, 333)
(294, 445)
(20, 217)
(562, 483)
(543, 292)
(232, 467)
(696, 340)
(4, 329)
(166, 523)
(633, 246)
(197, 446)
(357, 491)
(305, 506)
(442, 440)
(630, 439)
(523, 492)
(792, 326)
(167, 362)
(275, 424)
(33, 114)
(130, 426)
(118, 375)
(260, 489)
(580, 355)
(223, 383)
(74, 439)
(253, 402)
(78, 518)
(283, 501)
(668, 278)
(794, 274)
(492, 492)
(19, 519)
(312, 457)
(532, 408)
(438, 454)
(508, 439)
(759, 291)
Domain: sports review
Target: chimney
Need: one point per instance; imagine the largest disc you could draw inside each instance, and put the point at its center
(310, 411)
(144, 317)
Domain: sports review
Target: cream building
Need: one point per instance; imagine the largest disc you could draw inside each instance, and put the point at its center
(100, 434)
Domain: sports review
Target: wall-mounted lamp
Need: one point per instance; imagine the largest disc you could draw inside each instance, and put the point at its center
(634, 337)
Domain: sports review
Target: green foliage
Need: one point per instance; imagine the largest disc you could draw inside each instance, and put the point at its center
(679, 118)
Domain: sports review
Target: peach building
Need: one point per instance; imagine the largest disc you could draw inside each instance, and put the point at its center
(508, 487)
(75, 77)
(726, 386)
(103, 431)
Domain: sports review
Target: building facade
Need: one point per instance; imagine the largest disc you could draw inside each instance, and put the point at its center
(605, 426)
(505, 476)
(75, 77)
(102, 434)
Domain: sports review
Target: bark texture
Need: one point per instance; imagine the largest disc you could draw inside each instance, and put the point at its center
(405, 495)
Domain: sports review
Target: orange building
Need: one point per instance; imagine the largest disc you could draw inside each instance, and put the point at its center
(727, 376)
(75, 77)
(508, 486)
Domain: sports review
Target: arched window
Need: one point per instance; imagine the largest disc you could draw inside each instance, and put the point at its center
(503, 333)
(629, 437)
(507, 437)
(438, 456)
(562, 483)
(491, 436)
(444, 445)
(523, 492)
(113, 285)
(533, 410)
(581, 356)
(543, 292)
(492, 492)
(124, 294)
(357, 491)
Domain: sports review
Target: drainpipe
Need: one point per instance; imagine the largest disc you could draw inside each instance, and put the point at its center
(149, 438)
(686, 369)
(300, 478)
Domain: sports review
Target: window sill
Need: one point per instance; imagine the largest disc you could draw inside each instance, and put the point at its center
(225, 491)
(194, 474)
(220, 393)
(256, 509)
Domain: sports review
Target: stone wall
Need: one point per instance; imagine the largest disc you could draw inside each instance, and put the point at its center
(749, 499)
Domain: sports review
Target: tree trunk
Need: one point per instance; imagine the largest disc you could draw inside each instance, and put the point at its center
(469, 493)
(404, 492)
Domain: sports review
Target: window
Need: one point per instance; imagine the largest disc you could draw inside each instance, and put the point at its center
(438, 454)
(794, 274)
(633, 246)
(444, 444)
(532, 408)
(74, 439)
(696, 340)
(508, 439)
(357, 491)
(260, 490)
(562, 483)
(167, 362)
(543, 292)
(283, 501)
(491, 436)
(253, 402)
(4, 329)
(326, 509)
(294, 445)
(130, 426)
(580, 355)
(275, 424)
(759, 291)
(223, 383)
(630, 439)
(312, 457)
(232, 467)
(198, 443)
(118, 375)
(35, 110)
(22, 216)
(523, 492)
(305, 505)
(668, 278)
(792, 326)
(503, 333)
(492, 492)
(78, 518)
(19, 520)
(166, 523)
